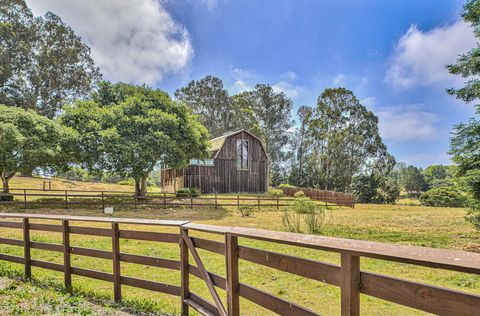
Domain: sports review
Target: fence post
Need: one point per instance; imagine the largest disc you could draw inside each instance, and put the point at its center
(350, 285)
(216, 203)
(238, 201)
(135, 200)
(103, 201)
(231, 257)
(66, 199)
(66, 256)
(26, 248)
(25, 198)
(184, 271)
(117, 287)
(164, 200)
(258, 199)
(277, 203)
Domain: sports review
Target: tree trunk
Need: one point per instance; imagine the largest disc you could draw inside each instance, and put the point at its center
(5, 187)
(6, 190)
(141, 186)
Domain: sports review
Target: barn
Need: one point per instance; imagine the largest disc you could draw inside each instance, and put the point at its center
(238, 163)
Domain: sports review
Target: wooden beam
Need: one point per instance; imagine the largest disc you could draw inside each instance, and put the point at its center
(66, 256)
(26, 248)
(184, 273)
(231, 263)
(117, 284)
(205, 275)
(350, 285)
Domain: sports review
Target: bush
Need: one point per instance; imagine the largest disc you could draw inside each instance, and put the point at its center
(188, 192)
(276, 192)
(246, 210)
(446, 196)
(313, 215)
(286, 185)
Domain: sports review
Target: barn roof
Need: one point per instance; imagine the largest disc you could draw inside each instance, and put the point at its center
(217, 143)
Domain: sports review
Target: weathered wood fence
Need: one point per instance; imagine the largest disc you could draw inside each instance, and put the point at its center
(70, 198)
(348, 275)
(339, 198)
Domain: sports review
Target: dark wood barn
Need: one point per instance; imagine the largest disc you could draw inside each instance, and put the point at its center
(238, 163)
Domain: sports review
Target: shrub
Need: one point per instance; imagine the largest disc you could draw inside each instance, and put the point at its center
(299, 194)
(286, 185)
(313, 215)
(276, 192)
(246, 210)
(291, 221)
(447, 196)
(188, 192)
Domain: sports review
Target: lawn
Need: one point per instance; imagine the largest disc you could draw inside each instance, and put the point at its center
(403, 224)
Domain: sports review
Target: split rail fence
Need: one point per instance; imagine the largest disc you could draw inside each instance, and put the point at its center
(348, 276)
(69, 198)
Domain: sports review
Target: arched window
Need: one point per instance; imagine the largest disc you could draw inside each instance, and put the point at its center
(242, 154)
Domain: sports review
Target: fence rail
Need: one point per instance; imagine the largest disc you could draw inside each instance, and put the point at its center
(339, 198)
(101, 199)
(348, 275)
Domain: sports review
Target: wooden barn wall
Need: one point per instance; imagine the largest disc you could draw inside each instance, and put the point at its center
(224, 177)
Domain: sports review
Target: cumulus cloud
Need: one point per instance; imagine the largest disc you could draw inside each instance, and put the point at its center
(133, 41)
(420, 57)
(287, 84)
(407, 123)
(350, 81)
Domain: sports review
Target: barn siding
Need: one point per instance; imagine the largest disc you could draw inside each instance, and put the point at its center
(224, 177)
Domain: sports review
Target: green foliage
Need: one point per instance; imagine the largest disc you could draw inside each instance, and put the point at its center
(44, 63)
(337, 139)
(286, 185)
(375, 188)
(246, 210)
(446, 196)
(304, 208)
(130, 130)
(465, 143)
(188, 192)
(275, 192)
(29, 140)
(412, 180)
(127, 182)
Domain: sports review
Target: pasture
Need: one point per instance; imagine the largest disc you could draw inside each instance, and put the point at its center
(402, 224)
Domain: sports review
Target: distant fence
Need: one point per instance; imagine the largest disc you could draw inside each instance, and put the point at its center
(70, 198)
(348, 276)
(338, 198)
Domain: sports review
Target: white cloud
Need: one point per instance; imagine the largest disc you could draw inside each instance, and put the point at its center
(350, 81)
(133, 41)
(368, 102)
(287, 84)
(420, 57)
(407, 123)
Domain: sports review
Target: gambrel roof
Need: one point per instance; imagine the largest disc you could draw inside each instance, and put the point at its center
(217, 143)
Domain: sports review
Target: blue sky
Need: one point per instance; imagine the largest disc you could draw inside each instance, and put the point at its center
(389, 53)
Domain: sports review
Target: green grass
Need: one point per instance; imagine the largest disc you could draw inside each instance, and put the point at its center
(402, 224)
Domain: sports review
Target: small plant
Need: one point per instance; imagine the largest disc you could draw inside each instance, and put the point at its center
(315, 220)
(188, 192)
(299, 194)
(246, 210)
(292, 221)
(276, 192)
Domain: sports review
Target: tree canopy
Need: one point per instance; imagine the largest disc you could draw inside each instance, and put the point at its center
(29, 140)
(338, 139)
(43, 63)
(128, 130)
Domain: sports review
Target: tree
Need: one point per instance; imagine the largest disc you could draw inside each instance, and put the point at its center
(300, 142)
(129, 130)
(465, 142)
(28, 139)
(436, 175)
(342, 140)
(412, 180)
(271, 111)
(43, 62)
(210, 101)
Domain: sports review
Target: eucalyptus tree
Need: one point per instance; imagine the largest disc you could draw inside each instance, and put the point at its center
(129, 130)
(43, 63)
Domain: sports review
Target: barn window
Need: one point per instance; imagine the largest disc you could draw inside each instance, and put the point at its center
(194, 161)
(242, 154)
(208, 162)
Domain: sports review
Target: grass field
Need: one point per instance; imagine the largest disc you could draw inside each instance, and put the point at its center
(403, 224)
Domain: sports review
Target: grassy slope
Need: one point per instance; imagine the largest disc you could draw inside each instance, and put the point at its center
(63, 184)
(424, 226)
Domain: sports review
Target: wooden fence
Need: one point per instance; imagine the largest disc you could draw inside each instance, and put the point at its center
(70, 198)
(348, 275)
(339, 198)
